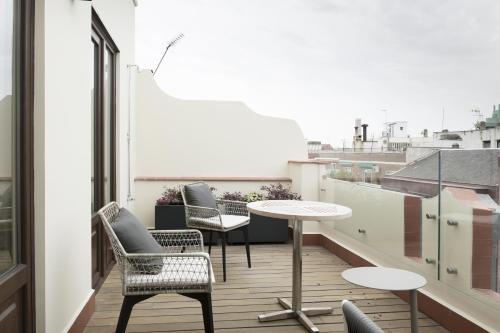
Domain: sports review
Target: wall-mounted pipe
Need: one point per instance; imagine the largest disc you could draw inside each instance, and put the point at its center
(129, 135)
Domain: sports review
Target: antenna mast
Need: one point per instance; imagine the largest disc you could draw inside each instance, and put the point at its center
(172, 43)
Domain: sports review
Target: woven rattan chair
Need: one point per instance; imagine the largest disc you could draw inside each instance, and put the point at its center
(224, 217)
(184, 268)
(356, 321)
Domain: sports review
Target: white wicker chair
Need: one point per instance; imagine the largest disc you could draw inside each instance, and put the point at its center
(228, 216)
(186, 269)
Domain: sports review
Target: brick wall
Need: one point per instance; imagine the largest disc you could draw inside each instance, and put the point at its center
(482, 245)
(413, 226)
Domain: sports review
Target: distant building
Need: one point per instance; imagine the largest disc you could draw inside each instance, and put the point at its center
(494, 120)
(477, 170)
(394, 137)
(313, 148)
(485, 135)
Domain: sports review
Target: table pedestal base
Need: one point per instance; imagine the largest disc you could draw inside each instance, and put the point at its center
(300, 315)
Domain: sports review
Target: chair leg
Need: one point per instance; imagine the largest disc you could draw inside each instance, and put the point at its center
(223, 241)
(209, 241)
(206, 304)
(127, 306)
(247, 245)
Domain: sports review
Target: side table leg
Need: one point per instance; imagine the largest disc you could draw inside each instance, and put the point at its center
(294, 308)
(414, 311)
(297, 266)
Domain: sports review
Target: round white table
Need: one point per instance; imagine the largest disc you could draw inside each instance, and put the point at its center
(298, 211)
(385, 278)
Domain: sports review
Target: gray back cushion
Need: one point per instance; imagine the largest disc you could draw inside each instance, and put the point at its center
(135, 238)
(357, 321)
(199, 194)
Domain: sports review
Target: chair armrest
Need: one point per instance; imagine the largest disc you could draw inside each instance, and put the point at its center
(203, 217)
(176, 241)
(230, 207)
(178, 268)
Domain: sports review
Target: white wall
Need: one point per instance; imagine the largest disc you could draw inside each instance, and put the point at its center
(118, 17)
(62, 149)
(196, 139)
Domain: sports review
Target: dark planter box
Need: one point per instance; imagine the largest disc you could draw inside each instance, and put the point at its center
(261, 229)
(168, 217)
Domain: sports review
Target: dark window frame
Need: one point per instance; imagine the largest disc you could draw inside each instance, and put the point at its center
(101, 251)
(104, 40)
(22, 276)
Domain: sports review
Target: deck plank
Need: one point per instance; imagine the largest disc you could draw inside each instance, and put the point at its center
(249, 292)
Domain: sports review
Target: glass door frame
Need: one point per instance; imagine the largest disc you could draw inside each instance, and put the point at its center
(102, 255)
(20, 279)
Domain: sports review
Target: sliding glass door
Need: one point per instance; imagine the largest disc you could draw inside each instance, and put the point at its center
(16, 167)
(103, 178)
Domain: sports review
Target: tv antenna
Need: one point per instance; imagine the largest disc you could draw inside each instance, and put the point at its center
(172, 43)
(476, 113)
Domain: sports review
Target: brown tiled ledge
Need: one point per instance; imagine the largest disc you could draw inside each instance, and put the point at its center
(84, 316)
(446, 317)
(216, 179)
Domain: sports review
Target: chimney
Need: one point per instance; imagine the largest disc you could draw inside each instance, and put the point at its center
(364, 132)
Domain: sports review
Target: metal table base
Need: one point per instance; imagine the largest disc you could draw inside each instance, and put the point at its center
(295, 310)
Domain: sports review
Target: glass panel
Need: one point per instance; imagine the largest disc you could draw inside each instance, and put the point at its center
(394, 204)
(108, 100)
(8, 124)
(470, 222)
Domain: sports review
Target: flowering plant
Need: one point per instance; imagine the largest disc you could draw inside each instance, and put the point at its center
(233, 196)
(280, 192)
(170, 196)
(253, 196)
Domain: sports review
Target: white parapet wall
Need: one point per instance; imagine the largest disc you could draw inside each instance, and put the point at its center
(179, 141)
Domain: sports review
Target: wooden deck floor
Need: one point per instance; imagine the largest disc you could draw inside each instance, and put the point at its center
(249, 292)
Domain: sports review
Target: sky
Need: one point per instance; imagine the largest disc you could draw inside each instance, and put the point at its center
(324, 63)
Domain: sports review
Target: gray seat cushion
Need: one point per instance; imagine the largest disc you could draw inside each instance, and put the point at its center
(135, 238)
(199, 194)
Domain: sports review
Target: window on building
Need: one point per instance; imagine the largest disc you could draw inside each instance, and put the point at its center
(487, 144)
(367, 175)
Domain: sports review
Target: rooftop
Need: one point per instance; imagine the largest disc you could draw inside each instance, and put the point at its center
(250, 292)
(477, 167)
